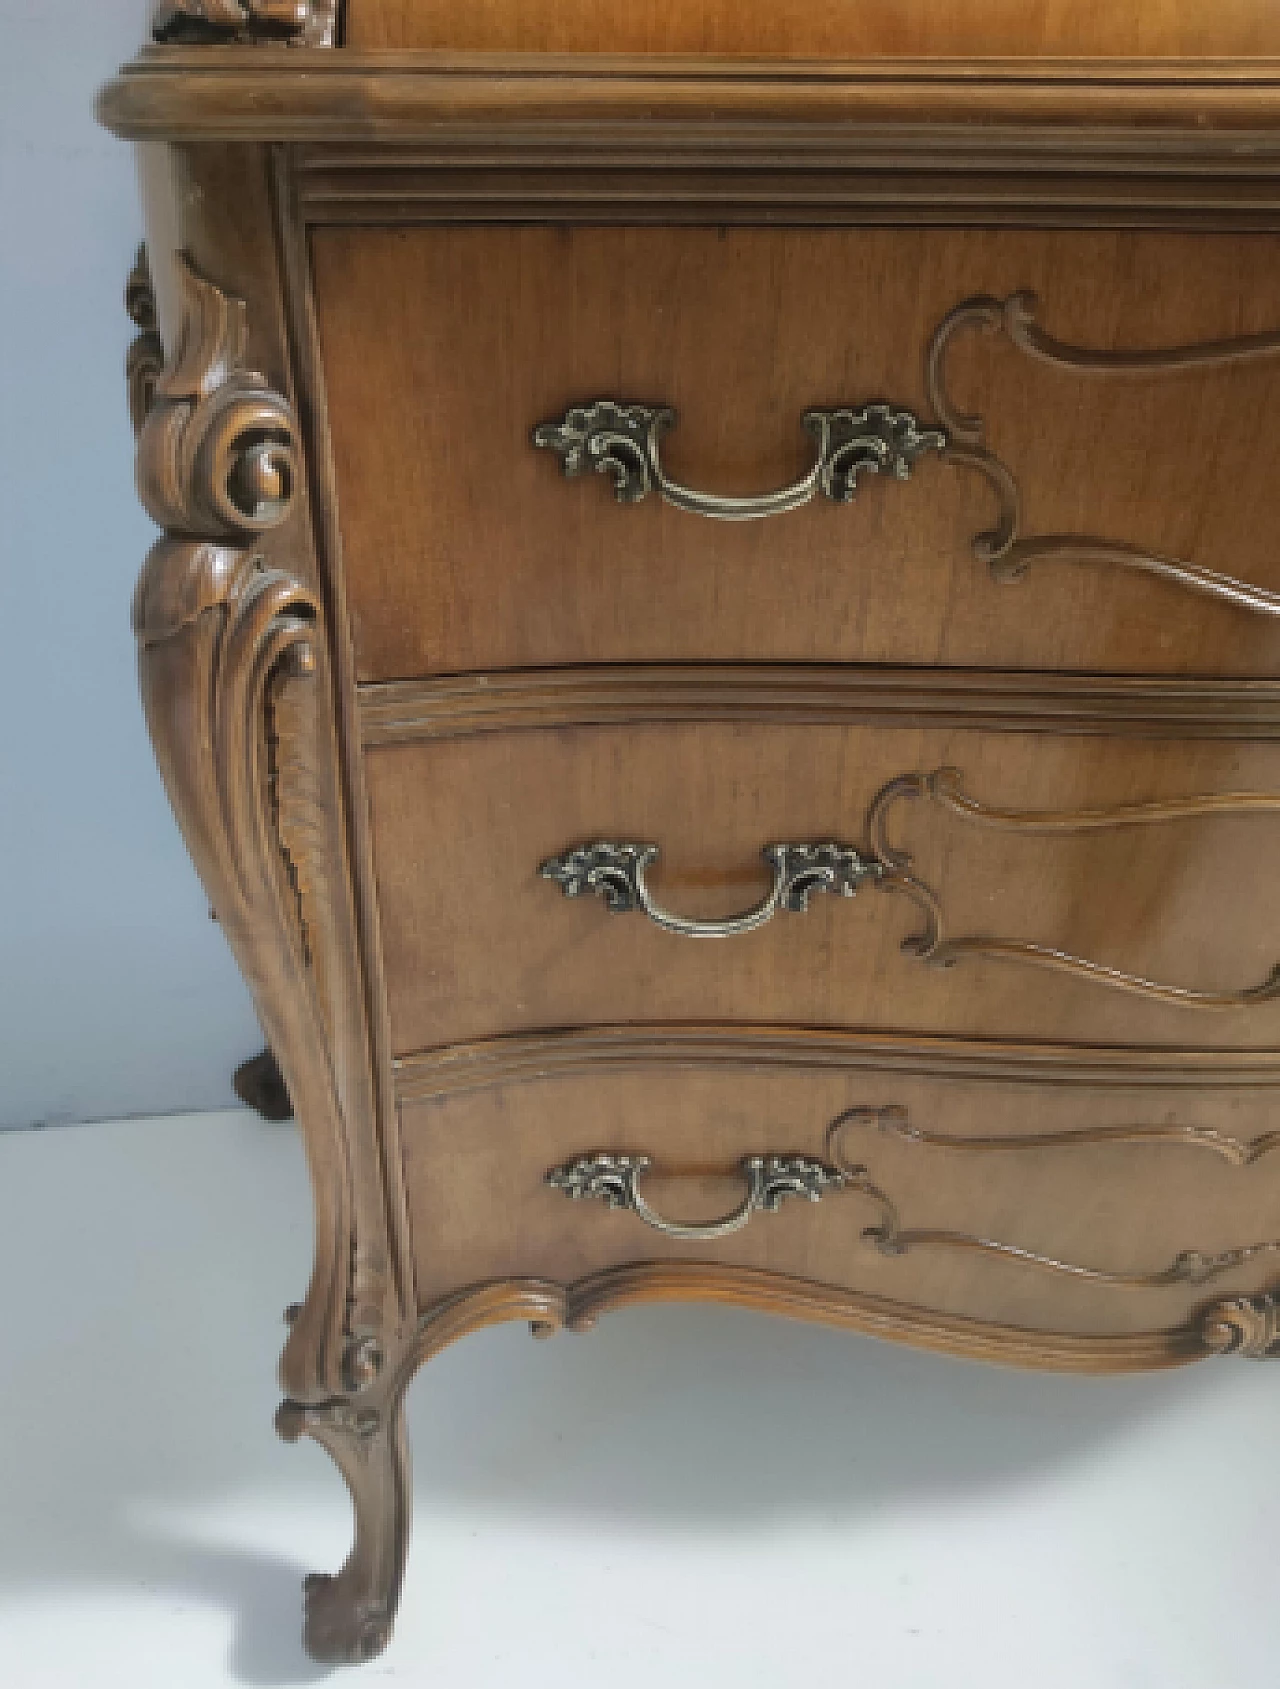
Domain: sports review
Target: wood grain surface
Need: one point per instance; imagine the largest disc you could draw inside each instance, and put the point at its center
(475, 1168)
(477, 944)
(466, 549)
(838, 29)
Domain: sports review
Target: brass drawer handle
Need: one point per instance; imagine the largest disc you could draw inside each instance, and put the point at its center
(615, 872)
(615, 1181)
(621, 440)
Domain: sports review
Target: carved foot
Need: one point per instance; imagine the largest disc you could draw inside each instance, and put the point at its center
(342, 1626)
(349, 1615)
(260, 1083)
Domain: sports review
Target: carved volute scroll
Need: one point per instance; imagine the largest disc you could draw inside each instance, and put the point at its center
(301, 23)
(145, 358)
(228, 655)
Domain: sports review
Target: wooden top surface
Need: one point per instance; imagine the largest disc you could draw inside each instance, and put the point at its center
(825, 29)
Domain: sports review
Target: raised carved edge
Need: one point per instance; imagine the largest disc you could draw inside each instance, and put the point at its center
(578, 1305)
(230, 656)
(1008, 553)
(944, 787)
(406, 711)
(893, 1238)
(300, 23)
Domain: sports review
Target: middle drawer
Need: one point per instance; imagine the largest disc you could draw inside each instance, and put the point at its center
(1040, 885)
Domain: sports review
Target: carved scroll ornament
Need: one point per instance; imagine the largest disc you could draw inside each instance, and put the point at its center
(615, 872)
(301, 23)
(228, 656)
(890, 1236)
(1010, 554)
(1245, 1325)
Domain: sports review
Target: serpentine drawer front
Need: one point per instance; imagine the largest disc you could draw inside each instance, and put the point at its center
(1087, 1209)
(1061, 448)
(939, 881)
(713, 641)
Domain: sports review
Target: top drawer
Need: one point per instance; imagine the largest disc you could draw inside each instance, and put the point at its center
(1140, 481)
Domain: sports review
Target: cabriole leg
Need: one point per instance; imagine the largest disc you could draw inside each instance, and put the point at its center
(349, 1614)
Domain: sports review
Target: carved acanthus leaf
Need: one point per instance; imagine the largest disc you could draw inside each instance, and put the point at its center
(217, 454)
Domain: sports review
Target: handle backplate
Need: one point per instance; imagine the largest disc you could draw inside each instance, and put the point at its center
(621, 440)
(615, 1181)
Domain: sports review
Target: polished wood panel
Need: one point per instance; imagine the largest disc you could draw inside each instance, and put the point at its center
(476, 943)
(466, 549)
(824, 29)
(1143, 1180)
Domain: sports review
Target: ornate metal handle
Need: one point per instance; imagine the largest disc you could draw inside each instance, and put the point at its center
(616, 873)
(621, 440)
(615, 1181)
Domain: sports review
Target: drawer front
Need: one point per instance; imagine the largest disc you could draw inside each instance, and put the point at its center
(1005, 884)
(1076, 1208)
(1117, 493)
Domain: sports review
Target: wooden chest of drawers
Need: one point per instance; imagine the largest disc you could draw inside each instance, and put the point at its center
(714, 645)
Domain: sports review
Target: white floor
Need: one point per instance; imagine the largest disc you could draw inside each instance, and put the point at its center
(687, 1497)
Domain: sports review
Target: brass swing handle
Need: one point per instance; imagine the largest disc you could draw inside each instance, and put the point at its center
(621, 440)
(615, 872)
(615, 1181)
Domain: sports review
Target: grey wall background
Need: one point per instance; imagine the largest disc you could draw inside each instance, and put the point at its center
(117, 993)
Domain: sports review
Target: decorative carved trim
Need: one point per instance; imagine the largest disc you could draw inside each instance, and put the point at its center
(145, 358)
(519, 1058)
(616, 873)
(894, 1121)
(891, 1237)
(1008, 556)
(229, 650)
(406, 711)
(300, 23)
(349, 1615)
(1244, 1325)
(943, 787)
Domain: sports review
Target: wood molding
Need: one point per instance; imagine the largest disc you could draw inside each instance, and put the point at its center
(230, 657)
(402, 712)
(1158, 118)
(515, 1059)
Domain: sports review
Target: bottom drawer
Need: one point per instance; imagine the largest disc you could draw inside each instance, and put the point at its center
(1079, 1208)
